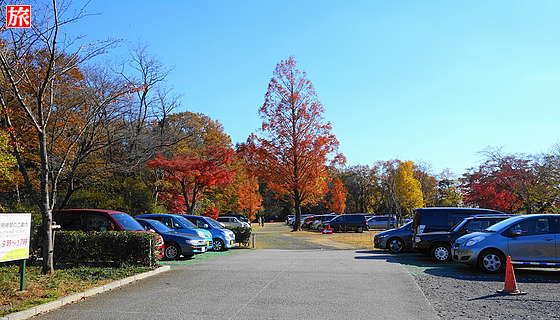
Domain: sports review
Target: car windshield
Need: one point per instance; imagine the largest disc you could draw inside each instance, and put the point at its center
(406, 225)
(127, 222)
(186, 223)
(501, 225)
(458, 226)
(213, 223)
(158, 226)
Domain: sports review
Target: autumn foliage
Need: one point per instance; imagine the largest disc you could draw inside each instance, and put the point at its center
(187, 177)
(337, 199)
(408, 189)
(212, 213)
(296, 144)
(249, 199)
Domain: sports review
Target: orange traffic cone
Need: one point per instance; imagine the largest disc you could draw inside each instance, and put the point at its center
(328, 229)
(510, 285)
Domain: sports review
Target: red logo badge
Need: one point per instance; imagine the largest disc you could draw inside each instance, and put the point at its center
(18, 16)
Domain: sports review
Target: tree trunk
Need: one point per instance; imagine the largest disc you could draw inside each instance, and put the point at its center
(297, 221)
(48, 261)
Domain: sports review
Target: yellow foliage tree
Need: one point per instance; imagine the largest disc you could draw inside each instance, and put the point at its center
(7, 160)
(408, 189)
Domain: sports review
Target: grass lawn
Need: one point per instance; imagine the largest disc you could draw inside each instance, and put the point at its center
(44, 288)
(274, 232)
(341, 240)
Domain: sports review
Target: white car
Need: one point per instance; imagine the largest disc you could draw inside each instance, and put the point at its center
(232, 222)
(318, 223)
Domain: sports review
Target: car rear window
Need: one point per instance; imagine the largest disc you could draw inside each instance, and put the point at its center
(127, 222)
(433, 218)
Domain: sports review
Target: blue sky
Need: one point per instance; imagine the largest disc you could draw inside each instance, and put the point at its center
(433, 81)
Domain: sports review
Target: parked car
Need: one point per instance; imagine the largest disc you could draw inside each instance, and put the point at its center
(438, 244)
(528, 240)
(317, 224)
(395, 240)
(382, 222)
(232, 222)
(290, 219)
(100, 220)
(442, 219)
(239, 217)
(223, 238)
(176, 243)
(348, 222)
(182, 225)
(306, 223)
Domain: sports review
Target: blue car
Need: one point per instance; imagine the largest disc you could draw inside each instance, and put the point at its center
(223, 238)
(182, 225)
(176, 243)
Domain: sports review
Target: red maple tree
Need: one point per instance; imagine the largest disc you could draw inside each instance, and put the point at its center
(186, 177)
(497, 185)
(212, 213)
(297, 143)
(337, 199)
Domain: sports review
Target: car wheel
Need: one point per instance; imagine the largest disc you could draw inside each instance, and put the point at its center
(395, 245)
(172, 251)
(491, 261)
(441, 252)
(218, 245)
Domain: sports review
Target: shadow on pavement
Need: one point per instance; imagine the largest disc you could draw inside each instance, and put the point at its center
(417, 264)
(497, 297)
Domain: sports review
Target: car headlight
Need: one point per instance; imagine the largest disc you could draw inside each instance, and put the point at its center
(473, 241)
(192, 242)
(382, 236)
(201, 234)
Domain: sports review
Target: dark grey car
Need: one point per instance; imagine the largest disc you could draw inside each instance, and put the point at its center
(529, 240)
(395, 240)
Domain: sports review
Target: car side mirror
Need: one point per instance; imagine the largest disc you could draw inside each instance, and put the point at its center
(152, 230)
(515, 233)
(206, 226)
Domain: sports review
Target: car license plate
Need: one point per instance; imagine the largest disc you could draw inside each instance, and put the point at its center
(203, 249)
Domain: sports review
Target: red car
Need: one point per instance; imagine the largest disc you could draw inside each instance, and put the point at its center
(100, 220)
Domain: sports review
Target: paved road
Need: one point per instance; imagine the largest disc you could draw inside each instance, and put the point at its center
(266, 284)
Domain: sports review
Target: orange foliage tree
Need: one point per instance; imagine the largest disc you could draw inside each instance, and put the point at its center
(297, 144)
(213, 213)
(186, 177)
(337, 200)
(248, 197)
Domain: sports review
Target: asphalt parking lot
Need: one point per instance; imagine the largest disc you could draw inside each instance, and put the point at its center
(265, 284)
(460, 292)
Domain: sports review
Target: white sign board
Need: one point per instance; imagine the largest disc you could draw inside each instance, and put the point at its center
(15, 230)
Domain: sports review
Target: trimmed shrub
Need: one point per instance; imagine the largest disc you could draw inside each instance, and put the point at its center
(242, 234)
(112, 248)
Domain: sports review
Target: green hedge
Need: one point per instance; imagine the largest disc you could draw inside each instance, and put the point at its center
(114, 248)
(242, 234)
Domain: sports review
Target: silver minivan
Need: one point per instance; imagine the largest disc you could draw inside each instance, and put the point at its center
(381, 222)
(528, 239)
